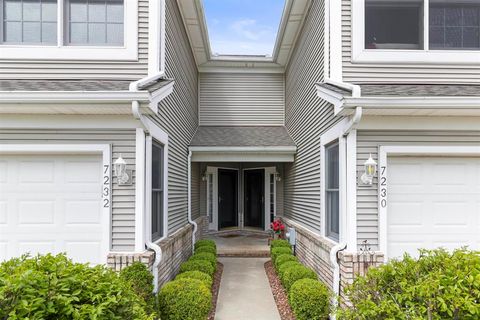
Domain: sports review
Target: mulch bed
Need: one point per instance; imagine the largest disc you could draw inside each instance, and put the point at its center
(215, 287)
(279, 293)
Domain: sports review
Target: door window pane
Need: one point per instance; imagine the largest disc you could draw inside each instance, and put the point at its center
(103, 18)
(393, 24)
(454, 25)
(332, 194)
(24, 21)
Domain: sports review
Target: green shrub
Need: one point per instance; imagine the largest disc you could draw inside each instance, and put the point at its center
(205, 243)
(295, 273)
(279, 243)
(185, 299)
(53, 287)
(208, 249)
(279, 251)
(141, 281)
(205, 278)
(197, 265)
(309, 299)
(287, 265)
(207, 257)
(437, 285)
(281, 259)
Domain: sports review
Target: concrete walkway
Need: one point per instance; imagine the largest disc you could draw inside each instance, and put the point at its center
(245, 291)
(241, 244)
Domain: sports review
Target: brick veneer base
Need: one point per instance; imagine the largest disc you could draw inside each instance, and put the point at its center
(176, 248)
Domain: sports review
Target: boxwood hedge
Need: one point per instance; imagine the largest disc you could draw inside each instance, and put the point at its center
(437, 285)
(310, 300)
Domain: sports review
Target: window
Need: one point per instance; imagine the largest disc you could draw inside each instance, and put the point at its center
(332, 193)
(454, 25)
(29, 22)
(95, 22)
(210, 198)
(451, 24)
(393, 24)
(157, 190)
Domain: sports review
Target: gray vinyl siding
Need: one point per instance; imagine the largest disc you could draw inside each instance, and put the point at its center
(413, 73)
(241, 99)
(307, 117)
(368, 143)
(178, 115)
(196, 180)
(122, 142)
(97, 69)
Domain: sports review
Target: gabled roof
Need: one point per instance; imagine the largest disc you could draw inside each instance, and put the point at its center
(291, 23)
(402, 99)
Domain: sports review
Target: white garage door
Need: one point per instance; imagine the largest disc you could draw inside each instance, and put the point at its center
(432, 202)
(52, 203)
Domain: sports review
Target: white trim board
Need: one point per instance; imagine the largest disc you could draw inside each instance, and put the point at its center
(383, 154)
(347, 183)
(127, 52)
(104, 149)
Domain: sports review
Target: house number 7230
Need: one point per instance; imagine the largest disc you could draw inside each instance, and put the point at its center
(383, 186)
(106, 186)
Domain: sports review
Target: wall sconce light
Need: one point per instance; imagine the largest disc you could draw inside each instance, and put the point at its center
(370, 171)
(124, 175)
(278, 178)
(204, 176)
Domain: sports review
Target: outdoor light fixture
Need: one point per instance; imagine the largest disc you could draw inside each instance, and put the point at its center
(370, 170)
(278, 178)
(124, 176)
(204, 176)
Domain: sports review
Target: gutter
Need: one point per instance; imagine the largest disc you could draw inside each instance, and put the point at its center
(336, 274)
(189, 202)
(81, 97)
(354, 121)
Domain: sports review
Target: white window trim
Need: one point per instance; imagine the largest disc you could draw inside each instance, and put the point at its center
(127, 52)
(334, 133)
(269, 171)
(384, 153)
(162, 137)
(425, 56)
(104, 150)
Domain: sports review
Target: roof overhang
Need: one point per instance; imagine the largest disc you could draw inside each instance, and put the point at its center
(81, 102)
(243, 154)
(193, 15)
(345, 104)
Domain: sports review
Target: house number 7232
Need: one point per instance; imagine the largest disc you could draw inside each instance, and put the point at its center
(106, 186)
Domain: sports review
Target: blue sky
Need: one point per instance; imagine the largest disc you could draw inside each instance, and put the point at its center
(246, 27)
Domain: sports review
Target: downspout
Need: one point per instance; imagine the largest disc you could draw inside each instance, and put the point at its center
(149, 244)
(189, 202)
(336, 274)
(354, 121)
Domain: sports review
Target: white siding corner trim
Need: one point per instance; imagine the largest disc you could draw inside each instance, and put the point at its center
(106, 189)
(156, 37)
(384, 153)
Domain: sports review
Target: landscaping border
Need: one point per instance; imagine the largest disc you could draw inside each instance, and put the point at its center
(279, 292)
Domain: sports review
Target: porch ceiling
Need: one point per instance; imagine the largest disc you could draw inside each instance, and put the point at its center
(245, 144)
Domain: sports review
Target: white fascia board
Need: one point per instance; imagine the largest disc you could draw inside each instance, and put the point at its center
(161, 93)
(49, 97)
(243, 149)
(333, 97)
(412, 102)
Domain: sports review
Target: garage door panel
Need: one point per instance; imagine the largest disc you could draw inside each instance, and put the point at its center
(442, 209)
(52, 203)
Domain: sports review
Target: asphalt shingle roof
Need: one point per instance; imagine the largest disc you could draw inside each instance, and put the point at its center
(242, 137)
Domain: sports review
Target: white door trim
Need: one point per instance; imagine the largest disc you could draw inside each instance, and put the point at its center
(384, 152)
(269, 171)
(213, 171)
(104, 149)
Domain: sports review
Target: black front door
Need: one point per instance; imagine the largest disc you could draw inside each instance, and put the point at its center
(227, 198)
(254, 198)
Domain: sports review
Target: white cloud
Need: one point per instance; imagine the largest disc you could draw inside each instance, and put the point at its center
(249, 29)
